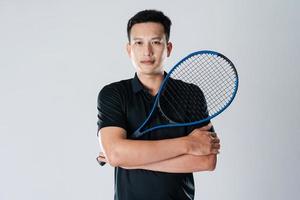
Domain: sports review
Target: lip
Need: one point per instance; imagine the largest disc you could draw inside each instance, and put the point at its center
(148, 62)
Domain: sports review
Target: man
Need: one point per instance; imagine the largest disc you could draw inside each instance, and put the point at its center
(159, 165)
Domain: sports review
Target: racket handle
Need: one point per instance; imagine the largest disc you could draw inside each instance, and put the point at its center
(100, 162)
(136, 134)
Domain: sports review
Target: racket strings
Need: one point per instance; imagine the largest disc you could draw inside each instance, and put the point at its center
(185, 105)
(197, 88)
(172, 104)
(215, 81)
(188, 98)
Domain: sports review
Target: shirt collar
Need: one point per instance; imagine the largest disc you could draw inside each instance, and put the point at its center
(137, 85)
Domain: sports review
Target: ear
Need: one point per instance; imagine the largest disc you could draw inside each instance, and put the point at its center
(169, 48)
(128, 49)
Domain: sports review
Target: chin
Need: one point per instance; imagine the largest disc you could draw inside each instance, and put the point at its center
(150, 70)
(151, 73)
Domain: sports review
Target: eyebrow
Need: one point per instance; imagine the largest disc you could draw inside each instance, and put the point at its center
(157, 38)
(154, 38)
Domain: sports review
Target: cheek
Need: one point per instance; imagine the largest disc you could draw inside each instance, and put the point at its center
(136, 53)
(135, 58)
(163, 54)
(133, 54)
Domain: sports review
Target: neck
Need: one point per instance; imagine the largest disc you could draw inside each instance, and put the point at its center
(151, 81)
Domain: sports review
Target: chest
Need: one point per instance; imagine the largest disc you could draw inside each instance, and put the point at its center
(138, 108)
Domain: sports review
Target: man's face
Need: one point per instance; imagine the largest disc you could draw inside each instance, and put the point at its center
(148, 48)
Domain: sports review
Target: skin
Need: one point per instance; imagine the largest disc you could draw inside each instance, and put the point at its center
(197, 151)
(148, 50)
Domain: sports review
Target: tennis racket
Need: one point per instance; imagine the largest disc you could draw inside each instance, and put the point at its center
(198, 88)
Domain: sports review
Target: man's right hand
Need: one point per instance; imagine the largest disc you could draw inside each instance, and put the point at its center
(203, 142)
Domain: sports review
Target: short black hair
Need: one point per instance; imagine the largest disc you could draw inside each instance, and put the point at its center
(150, 16)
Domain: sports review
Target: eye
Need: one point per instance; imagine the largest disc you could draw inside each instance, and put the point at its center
(138, 43)
(156, 42)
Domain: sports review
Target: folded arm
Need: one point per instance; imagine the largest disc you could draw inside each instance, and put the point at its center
(182, 164)
(120, 151)
(195, 152)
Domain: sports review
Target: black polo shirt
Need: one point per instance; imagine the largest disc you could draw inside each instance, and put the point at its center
(126, 104)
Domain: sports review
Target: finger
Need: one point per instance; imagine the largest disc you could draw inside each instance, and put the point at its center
(216, 146)
(101, 154)
(213, 134)
(101, 159)
(215, 140)
(215, 151)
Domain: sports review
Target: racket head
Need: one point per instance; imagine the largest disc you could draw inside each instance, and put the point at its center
(198, 88)
(207, 77)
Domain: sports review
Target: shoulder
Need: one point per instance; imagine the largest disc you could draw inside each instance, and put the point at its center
(119, 88)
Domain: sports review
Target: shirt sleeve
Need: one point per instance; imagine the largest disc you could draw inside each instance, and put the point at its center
(110, 108)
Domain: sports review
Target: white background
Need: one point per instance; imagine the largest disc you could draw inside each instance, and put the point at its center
(55, 56)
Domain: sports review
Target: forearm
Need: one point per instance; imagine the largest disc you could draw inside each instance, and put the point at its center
(182, 164)
(139, 152)
(119, 151)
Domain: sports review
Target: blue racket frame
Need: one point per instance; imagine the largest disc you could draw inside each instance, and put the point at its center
(138, 133)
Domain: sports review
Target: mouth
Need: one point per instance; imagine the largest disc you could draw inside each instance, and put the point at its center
(147, 62)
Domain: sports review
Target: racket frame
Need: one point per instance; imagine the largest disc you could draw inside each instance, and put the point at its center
(138, 133)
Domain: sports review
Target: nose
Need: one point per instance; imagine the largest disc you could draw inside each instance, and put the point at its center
(148, 50)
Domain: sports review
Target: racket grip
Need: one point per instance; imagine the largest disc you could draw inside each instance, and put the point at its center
(136, 134)
(100, 162)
